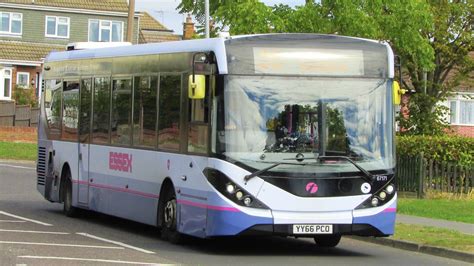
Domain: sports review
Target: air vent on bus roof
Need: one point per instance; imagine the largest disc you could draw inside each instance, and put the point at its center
(94, 45)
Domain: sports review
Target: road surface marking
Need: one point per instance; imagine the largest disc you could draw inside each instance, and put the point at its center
(16, 166)
(94, 260)
(12, 221)
(34, 232)
(25, 219)
(60, 245)
(116, 243)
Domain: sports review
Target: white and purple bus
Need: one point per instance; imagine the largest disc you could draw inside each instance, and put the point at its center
(279, 134)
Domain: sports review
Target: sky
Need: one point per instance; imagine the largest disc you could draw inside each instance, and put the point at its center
(165, 11)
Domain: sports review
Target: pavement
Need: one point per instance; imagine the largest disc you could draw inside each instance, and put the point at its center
(464, 228)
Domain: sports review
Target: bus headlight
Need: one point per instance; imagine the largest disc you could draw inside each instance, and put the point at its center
(390, 188)
(248, 201)
(231, 190)
(374, 202)
(379, 197)
(239, 195)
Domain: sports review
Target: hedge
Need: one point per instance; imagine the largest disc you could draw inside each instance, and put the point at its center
(459, 150)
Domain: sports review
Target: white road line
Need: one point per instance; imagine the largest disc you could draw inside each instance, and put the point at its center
(34, 232)
(60, 245)
(17, 166)
(12, 221)
(25, 219)
(85, 259)
(116, 243)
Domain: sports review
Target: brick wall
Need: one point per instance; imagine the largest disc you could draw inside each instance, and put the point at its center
(467, 131)
(19, 134)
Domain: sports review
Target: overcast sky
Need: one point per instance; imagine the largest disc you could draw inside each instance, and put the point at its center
(165, 11)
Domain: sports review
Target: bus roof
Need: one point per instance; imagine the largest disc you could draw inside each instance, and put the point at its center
(217, 45)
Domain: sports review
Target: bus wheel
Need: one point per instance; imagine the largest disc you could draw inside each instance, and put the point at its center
(328, 241)
(169, 217)
(68, 209)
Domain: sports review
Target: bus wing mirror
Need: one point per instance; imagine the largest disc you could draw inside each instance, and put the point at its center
(197, 87)
(397, 93)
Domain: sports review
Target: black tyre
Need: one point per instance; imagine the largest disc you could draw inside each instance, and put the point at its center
(328, 241)
(169, 218)
(68, 209)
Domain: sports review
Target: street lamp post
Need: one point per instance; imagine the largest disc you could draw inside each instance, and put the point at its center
(206, 13)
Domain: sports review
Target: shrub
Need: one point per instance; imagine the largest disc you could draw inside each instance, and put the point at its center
(459, 150)
(25, 96)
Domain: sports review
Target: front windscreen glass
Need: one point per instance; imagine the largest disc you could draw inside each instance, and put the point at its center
(263, 120)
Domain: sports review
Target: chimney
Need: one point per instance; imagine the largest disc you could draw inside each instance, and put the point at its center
(188, 28)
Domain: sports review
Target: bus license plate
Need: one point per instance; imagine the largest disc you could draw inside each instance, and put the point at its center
(312, 229)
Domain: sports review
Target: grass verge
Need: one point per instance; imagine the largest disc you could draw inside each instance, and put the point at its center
(18, 151)
(433, 236)
(452, 210)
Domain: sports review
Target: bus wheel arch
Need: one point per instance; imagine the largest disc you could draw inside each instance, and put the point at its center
(168, 213)
(65, 174)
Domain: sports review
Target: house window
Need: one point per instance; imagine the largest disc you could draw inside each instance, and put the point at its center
(462, 111)
(10, 23)
(22, 79)
(5, 84)
(105, 30)
(57, 27)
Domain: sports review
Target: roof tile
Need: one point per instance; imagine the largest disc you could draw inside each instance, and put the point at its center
(24, 51)
(102, 5)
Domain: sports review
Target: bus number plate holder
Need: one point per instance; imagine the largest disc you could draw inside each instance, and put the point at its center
(301, 229)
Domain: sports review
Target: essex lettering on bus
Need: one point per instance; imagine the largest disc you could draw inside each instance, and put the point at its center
(120, 162)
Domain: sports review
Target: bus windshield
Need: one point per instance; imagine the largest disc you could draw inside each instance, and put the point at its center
(263, 120)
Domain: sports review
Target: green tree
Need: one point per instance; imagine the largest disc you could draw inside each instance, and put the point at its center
(430, 36)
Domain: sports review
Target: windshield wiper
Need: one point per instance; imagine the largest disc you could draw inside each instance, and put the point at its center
(261, 171)
(367, 176)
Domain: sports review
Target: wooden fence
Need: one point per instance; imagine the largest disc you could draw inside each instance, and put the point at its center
(18, 115)
(417, 174)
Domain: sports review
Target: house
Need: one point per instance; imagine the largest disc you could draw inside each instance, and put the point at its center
(461, 106)
(30, 29)
(152, 31)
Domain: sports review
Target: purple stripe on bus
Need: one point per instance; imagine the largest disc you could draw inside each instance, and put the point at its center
(201, 205)
(126, 190)
(390, 210)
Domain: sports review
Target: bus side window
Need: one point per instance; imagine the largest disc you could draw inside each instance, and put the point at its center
(101, 111)
(70, 110)
(121, 111)
(145, 111)
(85, 110)
(52, 107)
(169, 112)
(198, 122)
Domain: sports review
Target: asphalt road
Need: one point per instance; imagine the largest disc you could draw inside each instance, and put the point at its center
(35, 232)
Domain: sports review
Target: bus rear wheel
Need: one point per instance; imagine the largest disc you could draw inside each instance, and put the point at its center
(68, 209)
(169, 212)
(327, 241)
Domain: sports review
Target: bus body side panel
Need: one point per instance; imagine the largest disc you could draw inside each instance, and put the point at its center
(224, 218)
(124, 183)
(69, 155)
(191, 193)
(382, 218)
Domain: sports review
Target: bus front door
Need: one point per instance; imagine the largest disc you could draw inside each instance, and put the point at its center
(84, 140)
